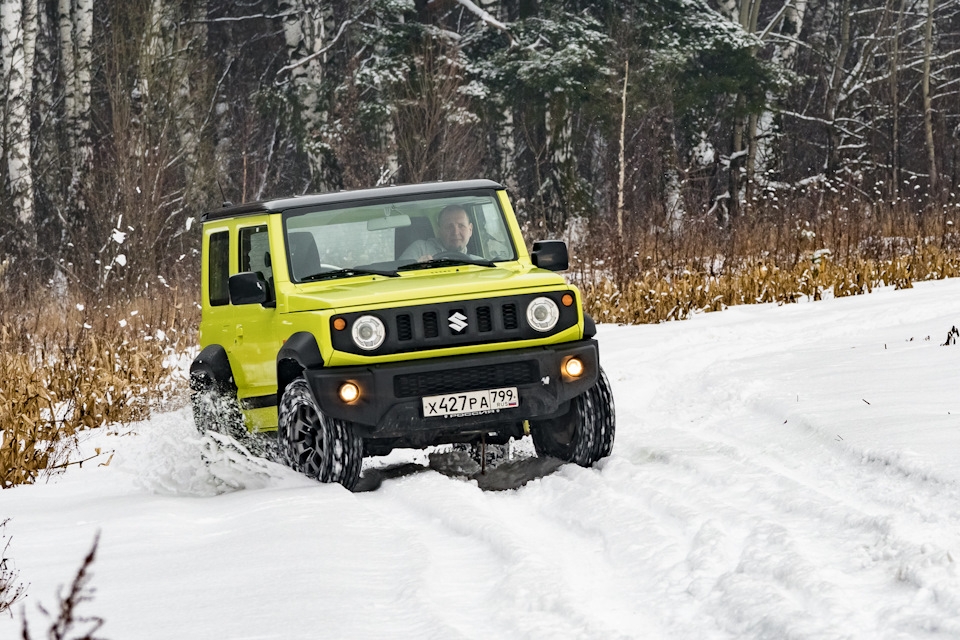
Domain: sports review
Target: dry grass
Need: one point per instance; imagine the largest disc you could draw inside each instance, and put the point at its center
(655, 297)
(69, 366)
(814, 252)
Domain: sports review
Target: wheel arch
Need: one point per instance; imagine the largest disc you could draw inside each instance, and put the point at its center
(298, 353)
(213, 364)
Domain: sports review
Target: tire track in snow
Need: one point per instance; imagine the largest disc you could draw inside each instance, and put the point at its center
(799, 520)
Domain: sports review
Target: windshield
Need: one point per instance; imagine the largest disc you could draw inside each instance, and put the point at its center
(388, 237)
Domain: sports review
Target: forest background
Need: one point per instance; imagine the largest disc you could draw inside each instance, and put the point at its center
(612, 122)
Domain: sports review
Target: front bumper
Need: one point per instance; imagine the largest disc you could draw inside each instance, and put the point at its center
(390, 394)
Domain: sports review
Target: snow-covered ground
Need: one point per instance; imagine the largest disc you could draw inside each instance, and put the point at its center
(779, 472)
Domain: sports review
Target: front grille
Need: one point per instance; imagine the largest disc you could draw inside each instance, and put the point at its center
(484, 320)
(510, 316)
(404, 327)
(457, 323)
(508, 374)
(431, 328)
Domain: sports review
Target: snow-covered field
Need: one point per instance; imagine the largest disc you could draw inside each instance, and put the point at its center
(779, 472)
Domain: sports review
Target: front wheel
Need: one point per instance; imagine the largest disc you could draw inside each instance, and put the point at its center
(315, 444)
(585, 433)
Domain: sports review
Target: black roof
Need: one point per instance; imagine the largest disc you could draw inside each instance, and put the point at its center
(336, 197)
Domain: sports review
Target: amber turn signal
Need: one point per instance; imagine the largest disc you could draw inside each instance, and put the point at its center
(573, 367)
(567, 299)
(339, 324)
(349, 392)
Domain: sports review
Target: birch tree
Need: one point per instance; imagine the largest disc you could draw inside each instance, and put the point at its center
(18, 37)
(75, 29)
(305, 30)
(784, 32)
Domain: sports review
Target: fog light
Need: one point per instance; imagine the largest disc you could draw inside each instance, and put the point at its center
(573, 367)
(349, 392)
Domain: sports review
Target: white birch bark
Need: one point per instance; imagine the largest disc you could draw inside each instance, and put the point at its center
(75, 34)
(18, 38)
(784, 57)
(305, 33)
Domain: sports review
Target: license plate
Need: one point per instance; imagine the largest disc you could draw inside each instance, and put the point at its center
(470, 402)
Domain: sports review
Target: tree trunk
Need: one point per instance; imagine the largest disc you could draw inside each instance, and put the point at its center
(927, 109)
(832, 160)
(623, 124)
(766, 133)
(305, 34)
(895, 106)
(18, 38)
(75, 31)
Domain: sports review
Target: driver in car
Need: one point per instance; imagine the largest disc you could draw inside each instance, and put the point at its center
(454, 234)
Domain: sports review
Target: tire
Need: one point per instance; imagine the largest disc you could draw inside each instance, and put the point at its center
(218, 410)
(585, 433)
(606, 416)
(215, 409)
(316, 445)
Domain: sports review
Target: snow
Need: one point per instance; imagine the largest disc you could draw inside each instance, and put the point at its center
(779, 472)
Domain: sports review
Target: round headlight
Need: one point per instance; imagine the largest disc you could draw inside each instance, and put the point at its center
(542, 314)
(368, 332)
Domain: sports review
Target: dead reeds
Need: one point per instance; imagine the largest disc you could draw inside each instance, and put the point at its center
(68, 366)
(816, 251)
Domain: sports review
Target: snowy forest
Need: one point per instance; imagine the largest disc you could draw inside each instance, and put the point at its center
(123, 120)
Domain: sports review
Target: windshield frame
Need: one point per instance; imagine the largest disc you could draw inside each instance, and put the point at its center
(295, 212)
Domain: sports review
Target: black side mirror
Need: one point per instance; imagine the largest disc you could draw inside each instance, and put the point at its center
(248, 288)
(550, 255)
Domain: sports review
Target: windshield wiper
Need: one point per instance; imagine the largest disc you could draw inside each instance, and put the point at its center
(352, 271)
(446, 262)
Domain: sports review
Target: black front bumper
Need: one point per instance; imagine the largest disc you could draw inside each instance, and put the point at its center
(390, 394)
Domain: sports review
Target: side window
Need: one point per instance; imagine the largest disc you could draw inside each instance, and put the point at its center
(496, 238)
(255, 251)
(219, 266)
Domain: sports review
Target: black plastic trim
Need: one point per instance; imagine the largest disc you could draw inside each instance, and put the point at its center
(589, 326)
(259, 402)
(300, 351)
(380, 413)
(341, 197)
(212, 363)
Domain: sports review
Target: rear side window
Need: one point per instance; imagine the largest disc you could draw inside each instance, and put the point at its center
(219, 265)
(255, 250)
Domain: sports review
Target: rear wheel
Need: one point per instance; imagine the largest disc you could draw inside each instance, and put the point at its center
(585, 433)
(215, 409)
(218, 410)
(315, 444)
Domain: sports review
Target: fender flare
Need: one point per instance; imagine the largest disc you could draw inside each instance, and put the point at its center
(298, 353)
(212, 364)
(589, 326)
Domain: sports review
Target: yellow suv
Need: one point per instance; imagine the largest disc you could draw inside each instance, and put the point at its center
(355, 322)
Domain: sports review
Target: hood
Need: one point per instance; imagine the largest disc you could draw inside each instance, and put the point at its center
(418, 287)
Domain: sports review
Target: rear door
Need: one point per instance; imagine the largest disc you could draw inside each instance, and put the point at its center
(254, 350)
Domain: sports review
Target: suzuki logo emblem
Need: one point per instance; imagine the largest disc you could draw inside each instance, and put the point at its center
(457, 322)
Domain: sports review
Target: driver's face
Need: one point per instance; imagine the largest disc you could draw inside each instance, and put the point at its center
(455, 231)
